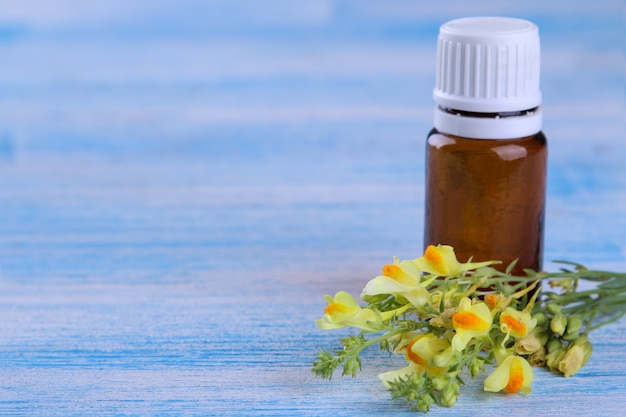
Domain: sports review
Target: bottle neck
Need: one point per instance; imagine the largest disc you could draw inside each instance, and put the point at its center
(506, 125)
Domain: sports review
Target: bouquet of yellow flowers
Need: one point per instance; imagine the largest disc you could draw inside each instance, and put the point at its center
(448, 317)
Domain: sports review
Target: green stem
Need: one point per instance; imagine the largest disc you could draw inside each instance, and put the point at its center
(589, 275)
(389, 333)
(604, 323)
(602, 304)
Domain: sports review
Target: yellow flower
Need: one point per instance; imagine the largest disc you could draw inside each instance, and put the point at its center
(513, 375)
(440, 260)
(399, 279)
(423, 349)
(419, 352)
(344, 310)
(472, 320)
(516, 323)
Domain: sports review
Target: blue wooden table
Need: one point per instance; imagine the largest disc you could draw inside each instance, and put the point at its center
(181, 183)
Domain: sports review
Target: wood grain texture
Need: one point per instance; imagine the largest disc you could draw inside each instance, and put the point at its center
(181, 185)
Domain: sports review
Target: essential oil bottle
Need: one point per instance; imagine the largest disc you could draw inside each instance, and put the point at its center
(486, 156)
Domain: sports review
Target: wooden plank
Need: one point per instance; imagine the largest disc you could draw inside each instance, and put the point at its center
(179, 187)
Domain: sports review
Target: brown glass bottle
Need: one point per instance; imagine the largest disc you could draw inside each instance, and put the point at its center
(486, 197)
(486, 156)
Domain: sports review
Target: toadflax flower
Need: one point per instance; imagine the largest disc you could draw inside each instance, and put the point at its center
(472, 320)
(419, 352)
(516, 323)
(448, 318)
(441, 261)
(343, 310)
(513, 375)
(399, 279)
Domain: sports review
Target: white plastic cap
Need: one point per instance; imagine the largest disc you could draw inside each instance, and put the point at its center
(488, 65)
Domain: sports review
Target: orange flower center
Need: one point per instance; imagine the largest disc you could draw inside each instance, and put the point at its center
(414, 357)
(335, 308)
(491, 300)
(433, 256)
(467, 320)
(516, 377)
(396, 273)
(514, 325)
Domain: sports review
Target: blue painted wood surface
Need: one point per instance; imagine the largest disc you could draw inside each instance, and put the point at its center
(181, 183)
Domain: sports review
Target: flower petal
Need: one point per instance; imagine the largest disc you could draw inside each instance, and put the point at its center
(384, 285)
(344, 310)
(424, 349)
(346, 299)
(468, 320)
(402, 284)
(516, 323)
(441, 260)
(390, 376)
(472, 320)
(438, 260)
(513, 375)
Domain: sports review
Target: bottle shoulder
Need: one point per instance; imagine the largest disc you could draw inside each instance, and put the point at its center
(439, 140)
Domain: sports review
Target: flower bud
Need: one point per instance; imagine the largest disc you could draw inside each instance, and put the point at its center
(558, 323)
(531, 343)
(438, 383)
(553, 358)
(411, 396)
(574, 323)
(570, 337)
(476, 366)
(553, 308)
(583, 340)
(540, 318)
(538, 358)
(575, 357)
(492, 300)
(450, 394)
(567, 284)
(553, 345)
(424, 402)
